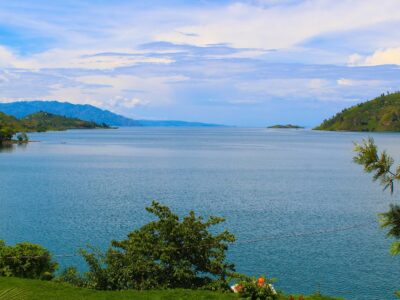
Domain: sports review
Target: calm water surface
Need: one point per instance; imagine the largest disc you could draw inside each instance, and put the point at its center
(87, 187)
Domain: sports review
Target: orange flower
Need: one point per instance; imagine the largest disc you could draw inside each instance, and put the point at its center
(261, 281)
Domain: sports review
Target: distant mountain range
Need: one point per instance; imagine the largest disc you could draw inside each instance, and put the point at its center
(87, 112)
(379, 114)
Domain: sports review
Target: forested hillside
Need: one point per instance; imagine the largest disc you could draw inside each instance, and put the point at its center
(40, 121)
(379, 114)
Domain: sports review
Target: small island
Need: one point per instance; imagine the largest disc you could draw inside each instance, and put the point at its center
(38, 122)
(288, 126)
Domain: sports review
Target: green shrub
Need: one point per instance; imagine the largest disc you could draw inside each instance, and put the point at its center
(26, 260)
(71, 276)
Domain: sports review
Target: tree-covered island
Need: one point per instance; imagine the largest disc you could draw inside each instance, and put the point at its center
(287, 126)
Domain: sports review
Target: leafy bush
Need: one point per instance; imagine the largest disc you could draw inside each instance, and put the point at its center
(26, 260)
(167, 253)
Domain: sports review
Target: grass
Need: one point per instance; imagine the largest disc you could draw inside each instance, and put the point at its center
(28, 289)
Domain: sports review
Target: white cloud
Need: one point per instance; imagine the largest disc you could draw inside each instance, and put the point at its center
(293, 88)
(384, 57)
(355, 59)
(318, 84)
(78, 59)
(248, 24)
(117, 92)
(355, 82)
(8, 59)
(245, 25)
(388, 56)
(90, 59)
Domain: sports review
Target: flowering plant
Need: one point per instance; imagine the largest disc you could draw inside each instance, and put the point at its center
(256, 289)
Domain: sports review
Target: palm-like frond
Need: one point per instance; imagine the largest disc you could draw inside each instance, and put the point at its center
(380, 164)
(391, 220)
(367, 154)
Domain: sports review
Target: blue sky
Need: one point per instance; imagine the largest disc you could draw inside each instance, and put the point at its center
(245, 63)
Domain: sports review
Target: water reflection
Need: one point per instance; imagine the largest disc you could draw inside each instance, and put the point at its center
(7, 148)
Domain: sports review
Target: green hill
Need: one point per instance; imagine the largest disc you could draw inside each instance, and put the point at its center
(39, 122)
(379, 114)
(10, 122)
(43, 121)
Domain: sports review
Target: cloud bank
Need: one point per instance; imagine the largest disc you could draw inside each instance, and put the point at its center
(238, 62)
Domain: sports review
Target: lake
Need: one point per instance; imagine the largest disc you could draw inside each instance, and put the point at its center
(301, 210)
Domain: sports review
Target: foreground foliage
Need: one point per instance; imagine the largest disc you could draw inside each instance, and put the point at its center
(26, 260)
(45, 290)
(380, 164)
(167, 253)
(170, 257)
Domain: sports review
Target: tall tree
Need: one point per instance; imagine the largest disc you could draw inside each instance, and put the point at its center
(170, 252)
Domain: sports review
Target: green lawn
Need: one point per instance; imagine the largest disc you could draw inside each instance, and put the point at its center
(26, 289)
